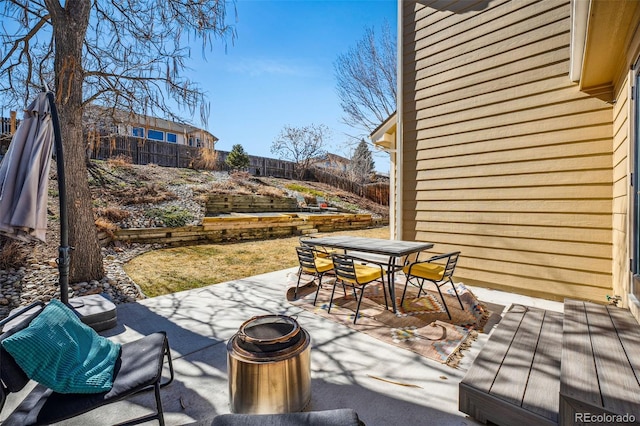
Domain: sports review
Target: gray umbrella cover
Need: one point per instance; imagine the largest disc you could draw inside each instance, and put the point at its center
(24, 174)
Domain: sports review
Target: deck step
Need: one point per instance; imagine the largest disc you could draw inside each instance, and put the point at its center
(515, 379)
(600, 364)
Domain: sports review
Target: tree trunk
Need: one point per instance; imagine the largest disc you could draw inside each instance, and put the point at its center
(70, 26)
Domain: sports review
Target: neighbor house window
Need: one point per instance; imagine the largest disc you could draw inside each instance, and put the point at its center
(172, 137)
(156, 135)
(138, 132)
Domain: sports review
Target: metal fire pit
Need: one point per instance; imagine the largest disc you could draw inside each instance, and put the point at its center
(269, 364)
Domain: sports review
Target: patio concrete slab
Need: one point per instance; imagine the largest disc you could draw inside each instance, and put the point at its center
(386, 385)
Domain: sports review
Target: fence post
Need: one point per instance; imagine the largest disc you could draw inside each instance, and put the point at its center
(12, 122)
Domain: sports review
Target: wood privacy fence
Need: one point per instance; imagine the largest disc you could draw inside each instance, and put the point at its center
(146, 151)
(8, 124)
(377, 191)
(143, 151)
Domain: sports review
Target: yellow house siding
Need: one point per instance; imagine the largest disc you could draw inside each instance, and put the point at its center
(503, 157)
(622, 165)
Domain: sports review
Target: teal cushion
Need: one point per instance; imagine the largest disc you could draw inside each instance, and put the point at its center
(60, 352)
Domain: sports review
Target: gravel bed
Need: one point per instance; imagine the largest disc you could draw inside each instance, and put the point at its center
(39, 282)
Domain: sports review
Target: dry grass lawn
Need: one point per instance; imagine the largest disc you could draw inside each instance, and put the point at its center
(176, 269)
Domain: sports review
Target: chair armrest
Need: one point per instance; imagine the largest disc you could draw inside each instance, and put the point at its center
(434, 258)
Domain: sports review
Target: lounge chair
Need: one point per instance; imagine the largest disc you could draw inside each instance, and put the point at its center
(138, 368)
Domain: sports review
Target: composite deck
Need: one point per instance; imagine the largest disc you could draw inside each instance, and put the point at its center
(515, 379)
(546, 368)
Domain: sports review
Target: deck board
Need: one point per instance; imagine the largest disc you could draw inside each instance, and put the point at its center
(511, 380)
(541, 396)
(578, 370)
(627, 328)
(489, 360)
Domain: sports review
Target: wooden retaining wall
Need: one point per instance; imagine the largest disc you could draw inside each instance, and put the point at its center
(245, 203)
(247, 227)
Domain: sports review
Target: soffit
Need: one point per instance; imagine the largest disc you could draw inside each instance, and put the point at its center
(608, 30)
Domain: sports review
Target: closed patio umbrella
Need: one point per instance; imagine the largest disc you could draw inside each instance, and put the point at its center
(24, 174)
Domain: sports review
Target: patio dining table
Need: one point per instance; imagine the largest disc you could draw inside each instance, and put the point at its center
(390, 249)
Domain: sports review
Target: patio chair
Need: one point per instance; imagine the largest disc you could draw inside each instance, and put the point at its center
(438, 269)
(312, 264)
(357, 276)
(138, 368)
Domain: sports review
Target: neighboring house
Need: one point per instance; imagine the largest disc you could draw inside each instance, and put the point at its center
(147, 127)
(517, 142)
(332, 162)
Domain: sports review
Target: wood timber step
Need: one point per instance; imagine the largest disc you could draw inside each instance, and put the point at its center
(515, 379)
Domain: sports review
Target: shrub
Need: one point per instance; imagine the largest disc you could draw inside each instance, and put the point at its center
(304, 189)
(239, 175)
(207, 160)
(106, 226)
(171, 216)
(13, 254)
(120, 161)
(112, 214)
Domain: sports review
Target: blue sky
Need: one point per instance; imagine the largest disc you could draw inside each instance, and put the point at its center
(279, 71)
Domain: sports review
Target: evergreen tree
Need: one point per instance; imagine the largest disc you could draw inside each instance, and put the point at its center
(237, 158)
(362, 164)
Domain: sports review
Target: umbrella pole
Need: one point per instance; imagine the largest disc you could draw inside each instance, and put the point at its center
(64, 249)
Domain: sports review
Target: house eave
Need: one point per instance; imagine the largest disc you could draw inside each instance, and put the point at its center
(599, 33)
(383, 137)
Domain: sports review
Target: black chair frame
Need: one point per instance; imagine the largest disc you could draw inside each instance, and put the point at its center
(307, 259)
(447, 277)
(345, 270)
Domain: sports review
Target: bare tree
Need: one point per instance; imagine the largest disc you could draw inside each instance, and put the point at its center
(302, 145)
(121, 54)
(366, 80)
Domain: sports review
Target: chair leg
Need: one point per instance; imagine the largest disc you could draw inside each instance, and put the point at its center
(318, 289)
(456, 292)
(159, 405)
(355, 318)
(406, 284)
(167, 354)
(386, 303)
(443, 301)
(332, 292)
(421, 285)
(295, 293)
